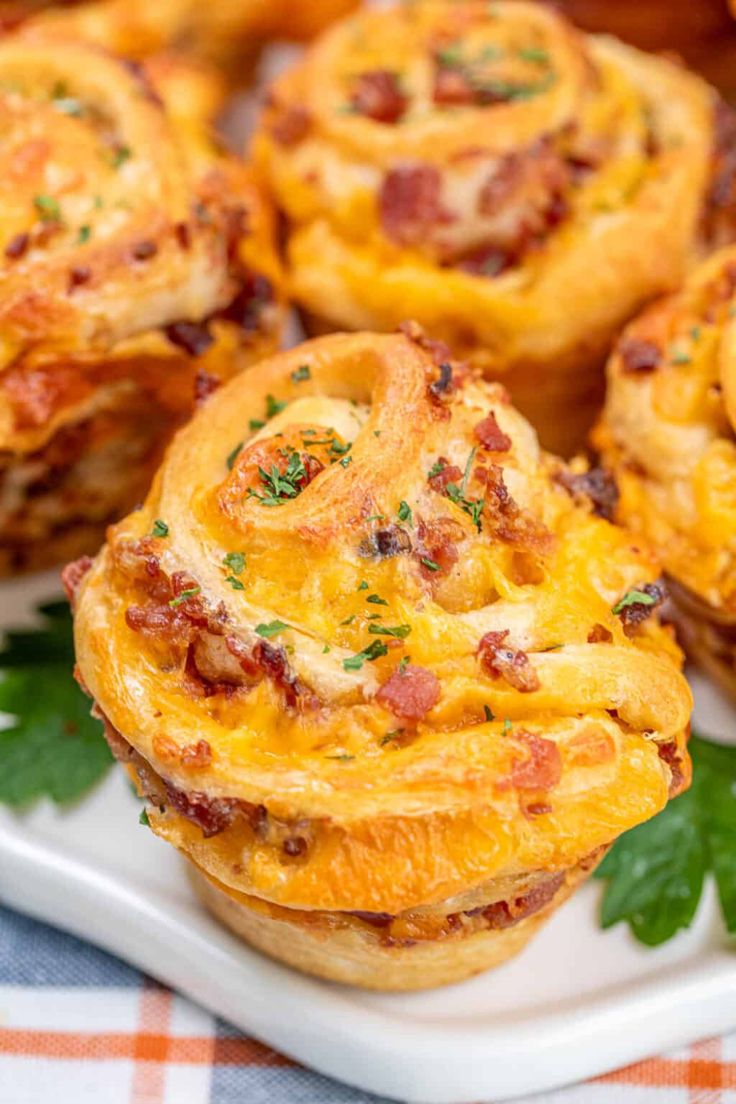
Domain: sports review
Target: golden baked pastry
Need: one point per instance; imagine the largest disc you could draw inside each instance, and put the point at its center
(516, 186)
(135, 260)
(227, 32)
(380, 671)
(667, 434)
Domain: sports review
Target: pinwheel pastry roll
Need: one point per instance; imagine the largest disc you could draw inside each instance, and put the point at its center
(516, 186)
(137, 270)
(667, 435)
(378, 667)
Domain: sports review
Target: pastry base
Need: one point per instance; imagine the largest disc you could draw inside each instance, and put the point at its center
(355, 957)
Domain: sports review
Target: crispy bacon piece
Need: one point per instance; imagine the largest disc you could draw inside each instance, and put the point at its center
(193, 337)
(599, 634)
(196, 755)
(410, 203)
(504, 914)
(246, 308)
(491, 436)
(378, 95)
(636, 613)
(410, 693)
(639, 357)
(437, 541)
(384, 543)
(292, 126)
(212, 814)
(205, 384)
(72, 575)
(452, 88)
(542, 769)
(448, 473)
(596, 485)
(508, 521)
(501, 661)
(17, 246)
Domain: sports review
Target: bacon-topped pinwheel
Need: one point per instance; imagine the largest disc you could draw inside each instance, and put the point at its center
(379, 668)
(137, 268)
(516, 186)
(667, 435)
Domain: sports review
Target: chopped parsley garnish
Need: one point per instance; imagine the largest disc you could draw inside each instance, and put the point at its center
(343, 757)
(373, 651)
(472, 506)
(431, 565)
(85, 233)
(303, 372)
(363, 585)
(389, 736)
(236, 584)
(233, 456)
(488, 712)
(695, 333)
(634, 597)
(403, 664)
(376, 600)
(160, 528)
(48, 208)
(68, 105)
(255, 424)
(235, 561)
(274, 406)
(143, 819)
(348, 620)
(534, 53)
(450, 56)
(436, 468)
(401, 631)
(374, 616)
(271, 629)
(190, 592)
(507, 726)
(679, 357)
(280, 487)
(404, 512)
(338, 449)
(326, 649)
(120, 156)
(346, 460)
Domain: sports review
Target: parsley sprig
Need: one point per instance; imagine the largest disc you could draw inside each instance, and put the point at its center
(472, 506)
(280, 487)
(655, 872)
(53, 746)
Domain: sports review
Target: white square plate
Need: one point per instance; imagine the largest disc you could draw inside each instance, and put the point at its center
(577, 1003)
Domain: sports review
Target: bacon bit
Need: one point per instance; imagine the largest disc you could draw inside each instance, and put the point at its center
(491, 436)
(193, 337)
(183, 234)
(246, 308)
(165, 748)
(537, 808)
(448, 473)
(160, 622)
(669, 753)
(639, 357)
(508, 521)
(595, 487)
(452, 88)
(501, 661)
(410, 203)
(196, 755)
(72, 575)
(599, 634)
(488, 260)
(378, 95)
(274, 664)
(205, 385)
(17, 246)
(212, 815)
(79, 275)
(384, 543)
(143, 251)
(504, 914)
(411, 693)
(636, 613)
(443, 386)
(437, 541)
(294, 847)
(292, 126)
(542, 770)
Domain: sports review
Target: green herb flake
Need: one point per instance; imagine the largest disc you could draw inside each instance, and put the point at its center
(363, 585)
(343, 757)
(346, 461)
(436, 468)
(160, 528)
(389, 736)
(303, 372)
(326, 649)
(403, 664)
(656, 871)
(399, 631)
(535, 54)
(375, 600)
(633, 597)
(48, 208)
(233, 456)
(235, 561)
(348, 620)
(143, 819)
(236, 584)
(190, 592)
(52, 747)
(373, 651)
(120, 156)
(271, 629)
(488, 713)
(85, 233)
(431, 565)
(279, 486)
(507, 727)
(274, 406)
(404, 512)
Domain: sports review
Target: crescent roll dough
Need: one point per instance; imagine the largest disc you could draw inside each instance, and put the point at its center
(667, 434)
(135, 259)
(381, 671)
(517, 187)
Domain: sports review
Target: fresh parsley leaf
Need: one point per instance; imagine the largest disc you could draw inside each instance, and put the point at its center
(303, 372)
(235, 561)
(431, 565)
(342, 758)
(507, 726)
(488, 713)
(373, 651)
(280, 487)
(48, 208)
(273, 406)
(236, 584)
(160, 528)
(400, 631)
(190, 592)
(53, 746)
(656, 872)
(85, 233)
(120, 156)
(143, 819)
(233, 456)
(363, 585)
(271, 629)
(404, 512)
(633, 597)
(376, 600)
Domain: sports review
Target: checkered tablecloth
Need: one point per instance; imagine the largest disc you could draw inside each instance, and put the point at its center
(79, 1027)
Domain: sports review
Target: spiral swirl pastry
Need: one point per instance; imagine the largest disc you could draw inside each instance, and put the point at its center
(228, 33)
(135, 261)
(381, 671)
(667, 434)
(517, 187)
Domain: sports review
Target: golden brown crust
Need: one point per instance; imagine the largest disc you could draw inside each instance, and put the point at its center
(517, 187)
(667, 434)
(359, 644)
(134, 259)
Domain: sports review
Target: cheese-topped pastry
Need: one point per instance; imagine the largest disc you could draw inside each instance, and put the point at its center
(380, 669)
(516, 186)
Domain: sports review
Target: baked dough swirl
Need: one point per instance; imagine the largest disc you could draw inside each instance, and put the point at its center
(518, 187)
(134, 259)
(360, 649)
(667, 434)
